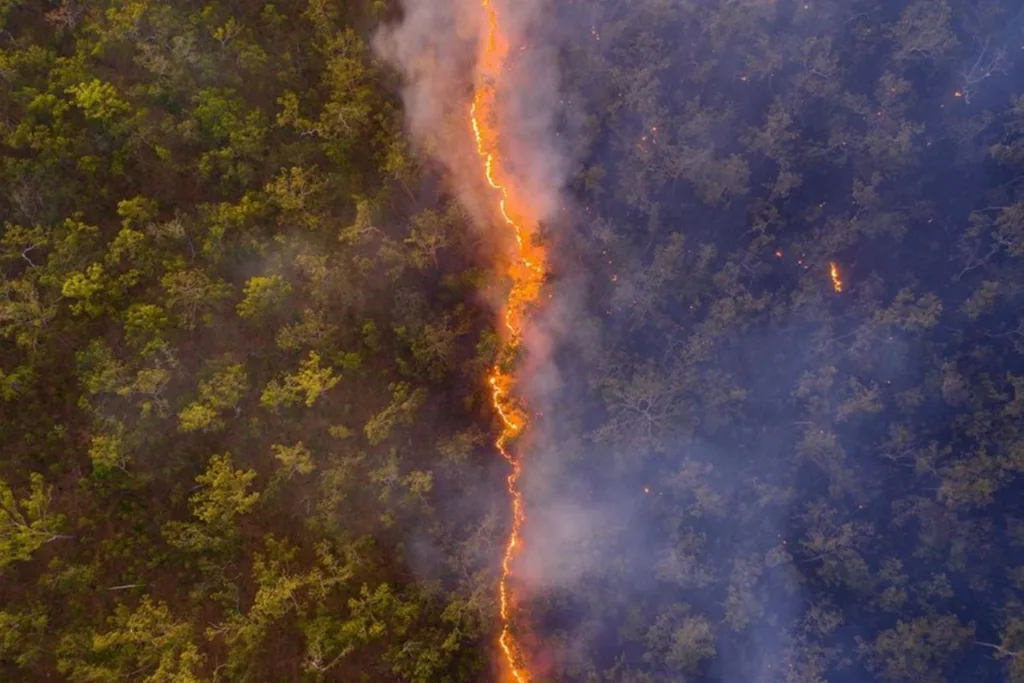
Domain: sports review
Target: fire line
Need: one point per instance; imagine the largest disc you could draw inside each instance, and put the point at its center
(526, 272)
(837, 281)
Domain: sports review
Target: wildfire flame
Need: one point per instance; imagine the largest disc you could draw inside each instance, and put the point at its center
(837, 282)
(526, 272)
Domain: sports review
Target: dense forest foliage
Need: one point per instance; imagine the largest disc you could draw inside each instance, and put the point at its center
(245, 329)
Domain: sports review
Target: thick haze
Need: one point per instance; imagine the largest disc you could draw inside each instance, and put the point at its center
(700, 120)
(435, 48)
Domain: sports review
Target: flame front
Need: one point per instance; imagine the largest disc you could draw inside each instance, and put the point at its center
(837, 282)
(526, 271)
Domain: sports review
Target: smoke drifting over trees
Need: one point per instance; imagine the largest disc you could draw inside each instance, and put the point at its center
(435, 47)
(247, 313)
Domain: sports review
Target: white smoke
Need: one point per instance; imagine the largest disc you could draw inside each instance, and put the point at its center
(435, 48)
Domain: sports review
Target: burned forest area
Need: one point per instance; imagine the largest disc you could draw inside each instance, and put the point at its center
(754, 357)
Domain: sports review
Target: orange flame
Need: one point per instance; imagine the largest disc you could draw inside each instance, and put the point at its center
(837, 282)
(526, 272)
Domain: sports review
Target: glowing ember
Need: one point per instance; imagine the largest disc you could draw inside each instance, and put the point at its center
(837, 282)
(526, 272)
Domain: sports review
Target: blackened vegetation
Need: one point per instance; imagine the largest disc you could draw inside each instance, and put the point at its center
(836, 476)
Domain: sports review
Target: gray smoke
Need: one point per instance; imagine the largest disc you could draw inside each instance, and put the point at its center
(435, 48)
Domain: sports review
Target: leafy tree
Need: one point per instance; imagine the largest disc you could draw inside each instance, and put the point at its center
(294, 459)
(99, 100)
(108, 452)
(145, 642)
(307, 385)
(262, 294)
(223, 492)
(222, 391)
(190, 293)
(26, 524)
(22, 636)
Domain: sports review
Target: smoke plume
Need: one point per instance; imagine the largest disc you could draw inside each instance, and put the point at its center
(435, 48)
(481, 97)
